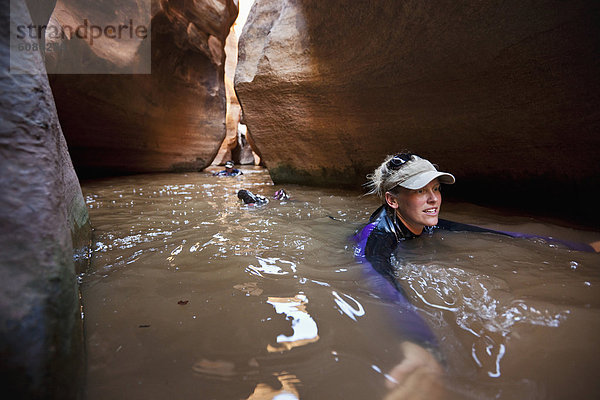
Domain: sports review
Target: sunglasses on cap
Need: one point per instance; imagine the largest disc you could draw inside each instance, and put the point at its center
(399, 160)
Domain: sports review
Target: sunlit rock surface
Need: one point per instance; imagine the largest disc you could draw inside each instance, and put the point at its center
(236, 146)
(234, 112)
(43, 222)
(503, 94)
(170, 120)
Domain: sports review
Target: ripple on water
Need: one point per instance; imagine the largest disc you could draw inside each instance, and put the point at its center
(192, 288)
(477, 290)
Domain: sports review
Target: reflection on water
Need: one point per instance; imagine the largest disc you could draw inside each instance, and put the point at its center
(193, 295)
(288, 390)
(347, 308)
(304, 327)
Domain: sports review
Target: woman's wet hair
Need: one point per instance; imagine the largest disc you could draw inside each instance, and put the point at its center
(384, 179)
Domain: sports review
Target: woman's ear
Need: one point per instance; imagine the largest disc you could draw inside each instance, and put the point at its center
(391, 200)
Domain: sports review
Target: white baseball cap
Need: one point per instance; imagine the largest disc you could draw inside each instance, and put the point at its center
(417, 172)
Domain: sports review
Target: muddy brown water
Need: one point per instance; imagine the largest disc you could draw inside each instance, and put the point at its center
(192, 295)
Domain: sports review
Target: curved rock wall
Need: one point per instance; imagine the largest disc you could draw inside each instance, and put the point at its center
(43, 222)
(234, 147)
(234, 111)
(170, 120)
(503, 94)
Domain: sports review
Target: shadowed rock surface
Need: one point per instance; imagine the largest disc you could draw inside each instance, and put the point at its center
(503, 94)
(43, 223)
(170, 120)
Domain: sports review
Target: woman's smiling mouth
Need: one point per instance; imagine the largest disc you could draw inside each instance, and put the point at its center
(431, 211)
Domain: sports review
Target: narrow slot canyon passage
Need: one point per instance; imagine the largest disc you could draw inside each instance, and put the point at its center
(137, 264)
(237, 145)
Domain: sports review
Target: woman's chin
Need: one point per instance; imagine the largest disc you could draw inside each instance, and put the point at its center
(431, 220)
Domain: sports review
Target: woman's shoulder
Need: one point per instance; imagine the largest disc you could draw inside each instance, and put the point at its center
(377, 214)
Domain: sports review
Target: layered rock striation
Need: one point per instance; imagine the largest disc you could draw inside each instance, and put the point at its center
(124, 120)
(503, 94)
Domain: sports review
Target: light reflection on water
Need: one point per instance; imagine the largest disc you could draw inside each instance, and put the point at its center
(193, 295)
(304, 328)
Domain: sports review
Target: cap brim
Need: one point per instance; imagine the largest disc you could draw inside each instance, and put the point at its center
(421, 180)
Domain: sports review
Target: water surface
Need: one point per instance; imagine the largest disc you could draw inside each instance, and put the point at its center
(192, 295)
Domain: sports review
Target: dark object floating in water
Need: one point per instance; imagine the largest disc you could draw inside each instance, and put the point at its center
(250, 198)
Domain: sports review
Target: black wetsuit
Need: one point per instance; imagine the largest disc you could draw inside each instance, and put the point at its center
(375, 244)
(234, 172)
(250, 198)
(387, 231)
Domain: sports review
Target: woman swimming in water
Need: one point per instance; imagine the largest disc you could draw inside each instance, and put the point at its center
(410, 189)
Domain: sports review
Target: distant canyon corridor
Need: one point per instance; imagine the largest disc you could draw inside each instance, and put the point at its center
(504, 94)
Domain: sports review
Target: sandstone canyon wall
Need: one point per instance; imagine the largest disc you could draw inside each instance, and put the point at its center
(235, 147)
(170, 120)
(43, 223)
(234, 110)
(505, 94)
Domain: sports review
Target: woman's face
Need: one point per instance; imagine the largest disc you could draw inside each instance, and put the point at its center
(418, 208)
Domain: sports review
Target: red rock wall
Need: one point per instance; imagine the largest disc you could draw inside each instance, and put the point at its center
(503, 94)
(232, 148)
(234, 110)
(170, 120)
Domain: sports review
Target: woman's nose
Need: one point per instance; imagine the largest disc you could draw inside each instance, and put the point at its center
(432, 196)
